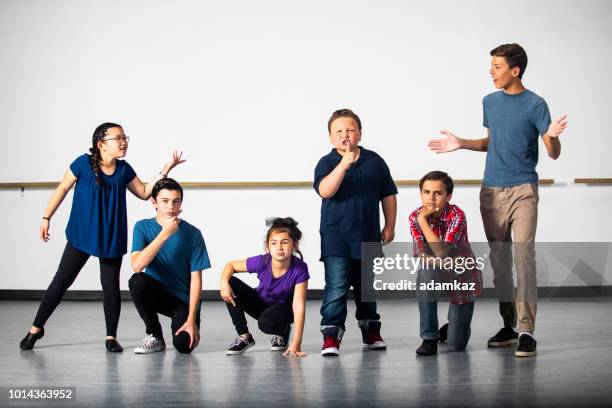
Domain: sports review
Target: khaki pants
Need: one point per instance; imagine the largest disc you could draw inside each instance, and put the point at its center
(510, 216)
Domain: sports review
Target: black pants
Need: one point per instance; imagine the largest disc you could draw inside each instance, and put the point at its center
(70, 265)
(272, 319)
(151, 298)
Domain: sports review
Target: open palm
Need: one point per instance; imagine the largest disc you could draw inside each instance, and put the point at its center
(448, 144)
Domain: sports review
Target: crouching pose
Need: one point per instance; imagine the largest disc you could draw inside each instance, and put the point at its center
(439, 231)
(168, 256)
(280, 298)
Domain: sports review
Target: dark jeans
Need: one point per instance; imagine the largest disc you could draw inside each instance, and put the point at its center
(340, 274)
(459, 315)
(272, 319)
(151, 298)
(70, 265)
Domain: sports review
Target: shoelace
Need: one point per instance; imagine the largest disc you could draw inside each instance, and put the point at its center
(278, 340)
(150, 341)
(239, 340)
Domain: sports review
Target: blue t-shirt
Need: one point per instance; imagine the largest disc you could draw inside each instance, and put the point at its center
(184, 252)
(279, 290)
(514, 122)
(352, 215)
(98, 219)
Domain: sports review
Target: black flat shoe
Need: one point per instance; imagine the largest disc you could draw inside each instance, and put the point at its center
(428, 348)
(113, 346)
(28, 341)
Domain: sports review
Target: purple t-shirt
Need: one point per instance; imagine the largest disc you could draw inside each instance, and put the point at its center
(277, 290)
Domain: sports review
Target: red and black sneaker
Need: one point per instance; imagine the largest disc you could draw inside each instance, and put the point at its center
(371, 336)
(331, 342)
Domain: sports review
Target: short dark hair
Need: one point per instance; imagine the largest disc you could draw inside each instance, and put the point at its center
(438, 175)
(166, 184)
(343, 113)
(514, 54)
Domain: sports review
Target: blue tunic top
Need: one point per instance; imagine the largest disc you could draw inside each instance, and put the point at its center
(98, 219)
(352, 215)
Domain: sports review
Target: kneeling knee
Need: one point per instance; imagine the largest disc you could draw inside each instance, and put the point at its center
(266, 326)
(181, 343)
(136, 282)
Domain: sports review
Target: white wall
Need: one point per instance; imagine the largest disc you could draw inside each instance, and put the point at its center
(246, 88)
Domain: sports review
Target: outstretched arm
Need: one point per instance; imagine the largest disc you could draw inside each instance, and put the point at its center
(195, 294)
(299, 317)
(56, 199)
(551, 137)
(143, 190)
(452, 142)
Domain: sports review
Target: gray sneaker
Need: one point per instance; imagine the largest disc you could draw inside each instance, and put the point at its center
(280, 343)
(150, 344)
(241, 344)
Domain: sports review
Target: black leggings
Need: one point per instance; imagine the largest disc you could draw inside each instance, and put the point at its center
(150, 298)
(70, 265)
(272, 319)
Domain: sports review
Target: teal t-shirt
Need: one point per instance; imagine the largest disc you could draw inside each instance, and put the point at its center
(184, 252)
(515, 122)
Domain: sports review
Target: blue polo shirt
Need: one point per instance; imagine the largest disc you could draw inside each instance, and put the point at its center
(352, 215)
(515, 122)
(184, 252)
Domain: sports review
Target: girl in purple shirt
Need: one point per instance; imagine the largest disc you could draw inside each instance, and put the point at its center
(280, 298)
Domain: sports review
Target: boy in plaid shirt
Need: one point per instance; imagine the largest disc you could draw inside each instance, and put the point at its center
(439, 232)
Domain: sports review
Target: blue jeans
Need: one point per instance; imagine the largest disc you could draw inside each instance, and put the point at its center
(459, 315)
(340, 274)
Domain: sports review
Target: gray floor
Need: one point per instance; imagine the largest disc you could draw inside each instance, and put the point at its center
(573, 366)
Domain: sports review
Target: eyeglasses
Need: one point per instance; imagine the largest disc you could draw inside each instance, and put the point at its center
(118, 139)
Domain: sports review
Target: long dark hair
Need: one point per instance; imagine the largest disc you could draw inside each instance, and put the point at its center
(98, 135)
(288, 225)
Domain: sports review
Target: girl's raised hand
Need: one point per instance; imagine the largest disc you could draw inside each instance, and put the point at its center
(174, 161)
(44, 231)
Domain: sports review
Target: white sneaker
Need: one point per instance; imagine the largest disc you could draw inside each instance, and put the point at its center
(150, 344)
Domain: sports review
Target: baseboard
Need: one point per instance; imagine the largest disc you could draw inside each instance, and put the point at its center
(317, 294)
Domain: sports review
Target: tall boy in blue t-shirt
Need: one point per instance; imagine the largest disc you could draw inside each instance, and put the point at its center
(514, 118)
(352, 181)
(168, 256)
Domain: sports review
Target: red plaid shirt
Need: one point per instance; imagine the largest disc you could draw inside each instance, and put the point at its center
(450, 228)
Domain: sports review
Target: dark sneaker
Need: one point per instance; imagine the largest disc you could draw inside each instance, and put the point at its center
(428, 348)
(505, 337)
(331, 342)
(113, 346)
(443, 333)
(241, 344)
(150, 344)
(280, 343)
(27, 343)
(526, 346)
(371, 336)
